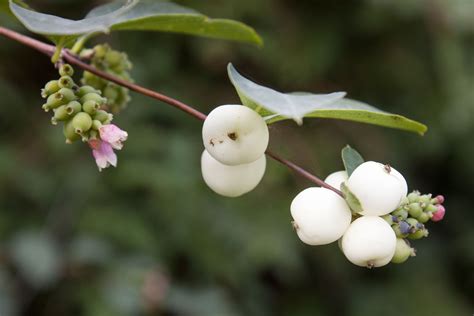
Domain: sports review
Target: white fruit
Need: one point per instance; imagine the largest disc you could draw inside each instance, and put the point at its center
(369, 242)
(231, 181)
(378, 188)
(335, 179)
(320, 216)
(235, 134)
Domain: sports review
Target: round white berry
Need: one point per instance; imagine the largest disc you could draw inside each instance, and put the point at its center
(231, 181)
(320, 216)
(369, 242)
(335, 179)
(235, 134)
(379, 188)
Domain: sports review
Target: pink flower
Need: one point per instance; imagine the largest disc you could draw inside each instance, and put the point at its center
(113, 135)
(439, 214)
(103, 153)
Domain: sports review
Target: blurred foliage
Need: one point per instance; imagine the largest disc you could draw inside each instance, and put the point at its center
(149, 238)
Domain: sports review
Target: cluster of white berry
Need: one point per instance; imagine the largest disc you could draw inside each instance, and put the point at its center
(373, 192)
(235, 139)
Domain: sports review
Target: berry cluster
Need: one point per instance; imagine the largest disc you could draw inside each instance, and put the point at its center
(373, 220)
(116, 63)
(80, 108)
(235, 139)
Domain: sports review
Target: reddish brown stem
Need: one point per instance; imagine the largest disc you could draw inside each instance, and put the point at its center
(74, 60)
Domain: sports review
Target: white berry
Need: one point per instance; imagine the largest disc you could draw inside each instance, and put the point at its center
(231, 181)
(335, 179)
(379, 188)
(320, 216)
(369, 242)
(235, 134)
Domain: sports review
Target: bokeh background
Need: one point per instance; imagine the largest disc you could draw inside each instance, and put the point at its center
(149, 238)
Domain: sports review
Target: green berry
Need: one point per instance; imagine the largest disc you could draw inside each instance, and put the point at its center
(66, 70)
(90, 107)
(96, 125)
(82, 122)
(426, 198)
(413, 197)
(431, 208)
(403, 251)
(73, 107)
(66, 82)
(419, 234)
(68, 94)
(110, 92)
(400, 213)
(424, 217)
(414, 209)
(100, 51)
(103, 117)
(61, 113)
(69, 132)
(113, 58)
(93, 97)
(82, 91)
(55, 100)
(50, 88)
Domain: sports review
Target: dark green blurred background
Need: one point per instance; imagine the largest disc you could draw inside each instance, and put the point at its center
(149, 238)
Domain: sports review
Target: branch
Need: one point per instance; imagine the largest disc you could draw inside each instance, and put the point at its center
(72, 59)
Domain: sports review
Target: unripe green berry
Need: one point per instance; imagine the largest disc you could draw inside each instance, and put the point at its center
(424, 217)
(50, 88)
(403, 251)
(93, 97)
(414, 209)
(100, 51)
(66, 70)
(419, 234)
(103, 117)
(55, 100)
(73, 107)
(61, 113)
(82, 91)
(90, 107)
(426, 198)
(68, 94)
(431, 208)
(93, 134)
(110, 92)
(82, 122)
(413, 196)
(69, 132)
(96, 125)
(401, 213)
(113, 58)
(66, 82)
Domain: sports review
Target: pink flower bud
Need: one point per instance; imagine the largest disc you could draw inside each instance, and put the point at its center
(113, 135)
(440, 199)
(103, 153)
(439, 214)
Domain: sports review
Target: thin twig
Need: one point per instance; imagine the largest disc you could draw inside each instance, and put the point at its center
(74, 60)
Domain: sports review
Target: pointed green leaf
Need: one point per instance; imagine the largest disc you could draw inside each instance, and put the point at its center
(279, 106)
(351, 159)
(144, 15)
(351, 199)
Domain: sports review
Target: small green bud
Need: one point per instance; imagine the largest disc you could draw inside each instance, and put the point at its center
(93, 97)
(69, 133)
(82, 91)
(68, 94)
(110, 92)
(103, 117)
(424, 217)
(73, 107)
(400, 213)
(61, 113)
(50, 88)
(113, 58)
(66, 70)
(66, 82)
(96, 125)
(413, 196)
(93, 134)
(46, 107)
(403, 251)
(82, 122)
(414, 209)
(100, 51)
(55, 100)
(419, 234)
(431, 208)
(90, 107)
(426, 198)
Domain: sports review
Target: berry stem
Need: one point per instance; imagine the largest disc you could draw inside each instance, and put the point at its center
(50, 50)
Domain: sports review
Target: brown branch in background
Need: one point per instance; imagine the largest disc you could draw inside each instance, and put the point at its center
(74, 60)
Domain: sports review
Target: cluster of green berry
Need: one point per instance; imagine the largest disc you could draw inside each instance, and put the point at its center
(116, 63)
(78, 107)
(408, 220)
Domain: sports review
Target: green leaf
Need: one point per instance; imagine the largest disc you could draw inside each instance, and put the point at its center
(145, 15)
(351, 159)
(279, 106)
(351, 199)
